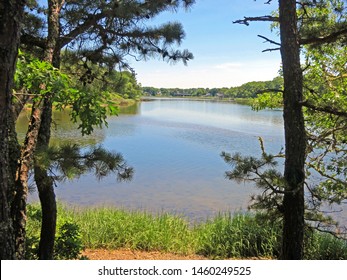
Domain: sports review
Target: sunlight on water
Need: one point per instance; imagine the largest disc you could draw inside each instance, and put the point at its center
(227, 116)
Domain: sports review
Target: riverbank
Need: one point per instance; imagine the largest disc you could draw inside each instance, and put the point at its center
(241, 101)
(108, 233)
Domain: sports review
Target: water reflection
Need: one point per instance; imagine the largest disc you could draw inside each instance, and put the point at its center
(234, 117)
(130, 110)
(64, 131)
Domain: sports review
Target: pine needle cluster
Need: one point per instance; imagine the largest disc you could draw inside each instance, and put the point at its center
(70, 161)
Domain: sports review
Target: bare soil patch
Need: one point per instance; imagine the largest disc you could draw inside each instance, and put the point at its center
(128, 254)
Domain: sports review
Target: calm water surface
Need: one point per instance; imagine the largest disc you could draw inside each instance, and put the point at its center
(174, 147)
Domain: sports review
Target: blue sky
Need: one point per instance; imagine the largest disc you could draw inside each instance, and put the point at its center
(225, 54)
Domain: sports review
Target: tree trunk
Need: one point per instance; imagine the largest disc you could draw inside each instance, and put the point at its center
(11, 13)
(45, 189)
(33, 141)
(21, 184)
(295, 136)
(43, 181)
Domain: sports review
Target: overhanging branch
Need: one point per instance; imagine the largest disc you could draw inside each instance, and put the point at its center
(271, 50)
(269, 40)
(325, 109)
(246, 20)
(89, 22)
(269, 90)
(332, 37)
(28, 39)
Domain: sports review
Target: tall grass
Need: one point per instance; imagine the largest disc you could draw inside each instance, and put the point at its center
(112, 228)
(238, 236)
(324, 246)
(225, 236)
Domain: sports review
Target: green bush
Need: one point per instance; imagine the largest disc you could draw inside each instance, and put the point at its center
(68, 242)
(33, 232)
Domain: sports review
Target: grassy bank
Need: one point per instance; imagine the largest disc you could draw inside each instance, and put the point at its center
(225, 236)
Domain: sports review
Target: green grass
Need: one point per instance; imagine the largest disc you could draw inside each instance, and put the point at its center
(224, 236)
(112, 228)
(324, 246)
(238, 236)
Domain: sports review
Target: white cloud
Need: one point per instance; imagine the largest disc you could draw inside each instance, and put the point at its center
(231, 66)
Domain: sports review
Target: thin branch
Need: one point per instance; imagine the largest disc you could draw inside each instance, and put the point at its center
(325, 39)
(326, 109)
(335, 234)
(271, 50)
(28, 39)
(89, 22)
(246, 20)
(274, 190)
(269, 40)
(320, 172)
(269, 90)
(24, 94)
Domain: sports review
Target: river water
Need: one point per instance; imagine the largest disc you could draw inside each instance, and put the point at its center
(174, 147)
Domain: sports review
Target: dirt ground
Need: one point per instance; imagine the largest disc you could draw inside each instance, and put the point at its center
(127, 254)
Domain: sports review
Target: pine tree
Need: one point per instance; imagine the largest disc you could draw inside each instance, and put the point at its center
(299, 24)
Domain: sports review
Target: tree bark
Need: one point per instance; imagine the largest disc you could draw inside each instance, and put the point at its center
(44, 182)
(41, 109)
(11, 13)
(22, 176)
(45, 189)
(295, 136)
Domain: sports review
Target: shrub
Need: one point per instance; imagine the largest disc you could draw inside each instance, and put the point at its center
(68, 244)
(33, 232)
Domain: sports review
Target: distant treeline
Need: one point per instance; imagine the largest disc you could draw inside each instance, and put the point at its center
(247, 90)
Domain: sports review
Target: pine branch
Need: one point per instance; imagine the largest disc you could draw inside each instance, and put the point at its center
(325, 109)
(28, 39)
(271, 50)
(332, 37)
(89, 22)
(246, 20)
(269, 90)
(269, 40)
(334, 234)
